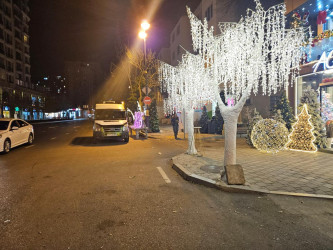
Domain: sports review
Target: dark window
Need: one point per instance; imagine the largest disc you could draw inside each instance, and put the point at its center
(14, 124)
(22, 123)
(209, 12)
(108, 114)
(4, 125)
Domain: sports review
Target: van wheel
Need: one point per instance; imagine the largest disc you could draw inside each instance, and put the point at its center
(30, 139)
(6, 146)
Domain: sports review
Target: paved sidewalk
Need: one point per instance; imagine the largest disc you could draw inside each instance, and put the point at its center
(287, 172)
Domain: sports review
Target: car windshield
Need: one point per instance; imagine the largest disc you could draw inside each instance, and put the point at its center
(4, 125)
(108, 114)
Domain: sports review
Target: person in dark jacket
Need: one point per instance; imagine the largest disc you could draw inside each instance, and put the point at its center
(175, 124)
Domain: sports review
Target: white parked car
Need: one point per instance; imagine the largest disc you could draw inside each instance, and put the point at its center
(14, 132)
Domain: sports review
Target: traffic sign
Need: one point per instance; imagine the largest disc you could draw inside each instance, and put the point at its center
(146, 90)
(147, 100)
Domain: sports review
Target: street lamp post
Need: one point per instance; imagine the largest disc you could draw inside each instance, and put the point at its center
(143, 35)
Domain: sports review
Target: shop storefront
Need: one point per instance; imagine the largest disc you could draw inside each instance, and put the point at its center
(317, 69)
(322, 83)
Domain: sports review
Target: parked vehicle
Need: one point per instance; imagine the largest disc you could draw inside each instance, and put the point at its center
(110, 121)
(14, 132)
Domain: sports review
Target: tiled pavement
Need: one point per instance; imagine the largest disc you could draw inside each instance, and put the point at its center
(287, 172)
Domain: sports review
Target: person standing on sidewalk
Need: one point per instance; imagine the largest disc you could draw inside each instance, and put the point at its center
(175, 124)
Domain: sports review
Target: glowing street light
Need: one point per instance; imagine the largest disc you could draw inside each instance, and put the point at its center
(143, 35)
(145, 25)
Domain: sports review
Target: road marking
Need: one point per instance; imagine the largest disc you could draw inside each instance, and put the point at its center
(53, 127)
(77, 126)
(164, 176)
(29, 146)
(67, 133)
(53, 138)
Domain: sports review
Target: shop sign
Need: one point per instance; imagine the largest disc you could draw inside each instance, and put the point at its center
(325, 60)
(6, 108)
(17, 109)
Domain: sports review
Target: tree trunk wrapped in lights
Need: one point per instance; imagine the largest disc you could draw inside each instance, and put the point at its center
(256, 54)
(301, 137)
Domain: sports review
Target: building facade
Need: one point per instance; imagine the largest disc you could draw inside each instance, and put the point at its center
(317, 69)
(18, 96)
(83, 79)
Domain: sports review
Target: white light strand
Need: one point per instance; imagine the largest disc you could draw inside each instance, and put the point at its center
(258, 51)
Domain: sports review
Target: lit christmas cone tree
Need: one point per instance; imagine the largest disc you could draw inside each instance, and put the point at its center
(301, 138)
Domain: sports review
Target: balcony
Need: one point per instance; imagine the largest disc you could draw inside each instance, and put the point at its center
(18, 14)
(8, 12)
(8, 27)
(10, 55)
(9, 41)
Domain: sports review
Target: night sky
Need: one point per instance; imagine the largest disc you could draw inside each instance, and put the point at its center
(94, 30)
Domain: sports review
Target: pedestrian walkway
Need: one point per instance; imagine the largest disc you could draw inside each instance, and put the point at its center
(287, 172)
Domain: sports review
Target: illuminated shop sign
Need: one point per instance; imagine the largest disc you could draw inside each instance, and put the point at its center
(6, 108)
(325, 61)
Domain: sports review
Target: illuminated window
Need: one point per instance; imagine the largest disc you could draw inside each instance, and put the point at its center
(25, 38)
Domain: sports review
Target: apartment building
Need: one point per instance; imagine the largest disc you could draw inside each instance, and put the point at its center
(83, 80)
(18, 96)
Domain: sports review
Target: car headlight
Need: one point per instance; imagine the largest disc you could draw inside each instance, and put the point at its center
(125, 128)
(97, 127)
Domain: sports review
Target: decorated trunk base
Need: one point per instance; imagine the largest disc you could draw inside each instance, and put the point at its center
(234, 174)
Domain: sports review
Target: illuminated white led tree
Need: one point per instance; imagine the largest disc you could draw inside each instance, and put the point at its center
(256, 54)
(186, 88)
(301, 137)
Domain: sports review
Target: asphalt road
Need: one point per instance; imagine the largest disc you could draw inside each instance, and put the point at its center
(65, 192)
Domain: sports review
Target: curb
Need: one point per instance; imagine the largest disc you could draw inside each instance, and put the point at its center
(187, 175)
(323, 150)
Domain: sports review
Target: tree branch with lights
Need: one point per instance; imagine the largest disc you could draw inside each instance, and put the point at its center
(256, 55)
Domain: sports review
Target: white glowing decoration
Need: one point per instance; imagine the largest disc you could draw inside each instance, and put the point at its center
(301, 137)
(325, 60)
(269, 136)
(257, 53)
(186, 88)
